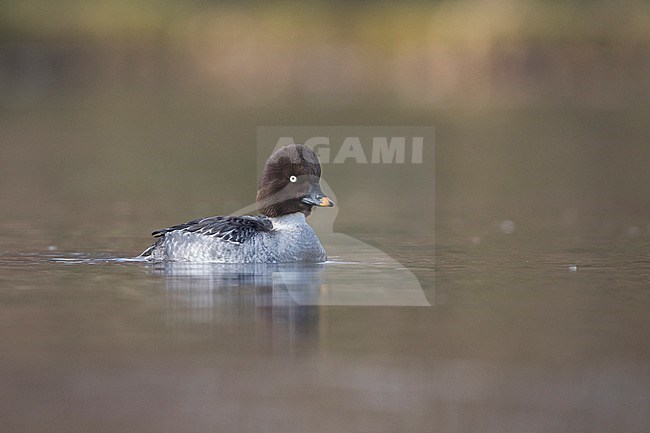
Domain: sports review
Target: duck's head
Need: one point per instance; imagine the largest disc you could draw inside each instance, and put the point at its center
(290, 182)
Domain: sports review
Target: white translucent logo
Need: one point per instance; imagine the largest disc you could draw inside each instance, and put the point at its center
(382, 149)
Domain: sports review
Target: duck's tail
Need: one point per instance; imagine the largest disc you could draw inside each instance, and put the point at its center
(149, 251)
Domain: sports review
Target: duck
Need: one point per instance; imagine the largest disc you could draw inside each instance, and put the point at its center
(286, 193)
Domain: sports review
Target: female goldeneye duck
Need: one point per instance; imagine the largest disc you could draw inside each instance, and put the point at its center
(287, 191)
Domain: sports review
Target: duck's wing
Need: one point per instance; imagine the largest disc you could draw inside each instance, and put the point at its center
(233, 229)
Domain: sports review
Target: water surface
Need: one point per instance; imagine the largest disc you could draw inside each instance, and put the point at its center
(537, 281)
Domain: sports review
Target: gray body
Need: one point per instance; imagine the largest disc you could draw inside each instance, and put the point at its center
(290, 240)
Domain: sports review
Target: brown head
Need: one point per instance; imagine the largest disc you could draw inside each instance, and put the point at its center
(290, 182)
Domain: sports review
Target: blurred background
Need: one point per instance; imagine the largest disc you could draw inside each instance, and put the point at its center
(121, 117)
(141, 107)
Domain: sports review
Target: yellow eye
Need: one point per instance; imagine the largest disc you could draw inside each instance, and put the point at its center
(293, 178)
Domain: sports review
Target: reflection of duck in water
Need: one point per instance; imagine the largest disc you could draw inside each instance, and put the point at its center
(287, 283)
(278, 296)
(287, 191)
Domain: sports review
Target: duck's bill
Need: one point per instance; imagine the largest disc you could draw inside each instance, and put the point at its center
(318, 200)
